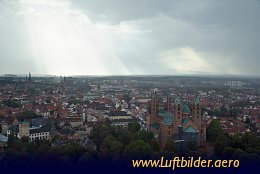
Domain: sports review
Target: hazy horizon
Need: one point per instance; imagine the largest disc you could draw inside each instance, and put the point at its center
(135, 75)
(122, 38)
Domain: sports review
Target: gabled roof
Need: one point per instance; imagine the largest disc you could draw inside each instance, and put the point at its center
(190, 130)
(45, 128)
(167, 117)
(37, 122)
(3, 138)
(25, 123)
(14, 128)
(156, 126)
(118, 113)
(185, 109)
(67, 124)
(65, 131)
(185, 120)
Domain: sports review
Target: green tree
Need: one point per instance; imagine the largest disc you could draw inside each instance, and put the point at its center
(138, 149)
(235, 142)
(228, 152)
(12, 103)
(70, 102)
(239, 154)
(27, 115)
(127, 98)
(123, 135)
(11, 140)
(44, 148)
(99, 132)
(233, 112)
(146, 136)
(170, 146)
(154, 144)
(251, 141)
(134, 127)
(116, 148)
(248, 121)
(48, 100)
(214, 131)
(106, 143)
(220, 144)
(34, 103)
(30, 147)
(25, 139)
(191, 146)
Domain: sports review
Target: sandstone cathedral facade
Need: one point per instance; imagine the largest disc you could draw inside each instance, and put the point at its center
(173, 121)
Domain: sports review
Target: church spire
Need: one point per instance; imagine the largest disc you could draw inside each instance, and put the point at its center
(30, 77)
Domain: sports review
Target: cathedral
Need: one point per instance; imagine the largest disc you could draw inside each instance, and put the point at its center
(172, 120)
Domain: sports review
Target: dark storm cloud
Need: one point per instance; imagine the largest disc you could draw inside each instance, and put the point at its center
(223, 31)
(116, 10)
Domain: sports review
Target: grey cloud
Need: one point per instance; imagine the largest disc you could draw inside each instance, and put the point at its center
(221, 30)
(224, 33)
(118, 10)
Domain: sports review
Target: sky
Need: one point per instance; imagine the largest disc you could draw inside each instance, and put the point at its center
(130, 37)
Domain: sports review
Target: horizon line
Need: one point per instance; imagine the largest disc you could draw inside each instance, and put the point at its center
(129, 75)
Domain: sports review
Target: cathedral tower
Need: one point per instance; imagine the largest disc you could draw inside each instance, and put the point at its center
(169, 104)
(177, 111)
(153, 106)
(24, 129)
(196, 111)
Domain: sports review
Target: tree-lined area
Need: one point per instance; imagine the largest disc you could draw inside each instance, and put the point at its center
(243, 147)
(122, 143)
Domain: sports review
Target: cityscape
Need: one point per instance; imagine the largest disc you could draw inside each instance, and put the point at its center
(127, 116)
